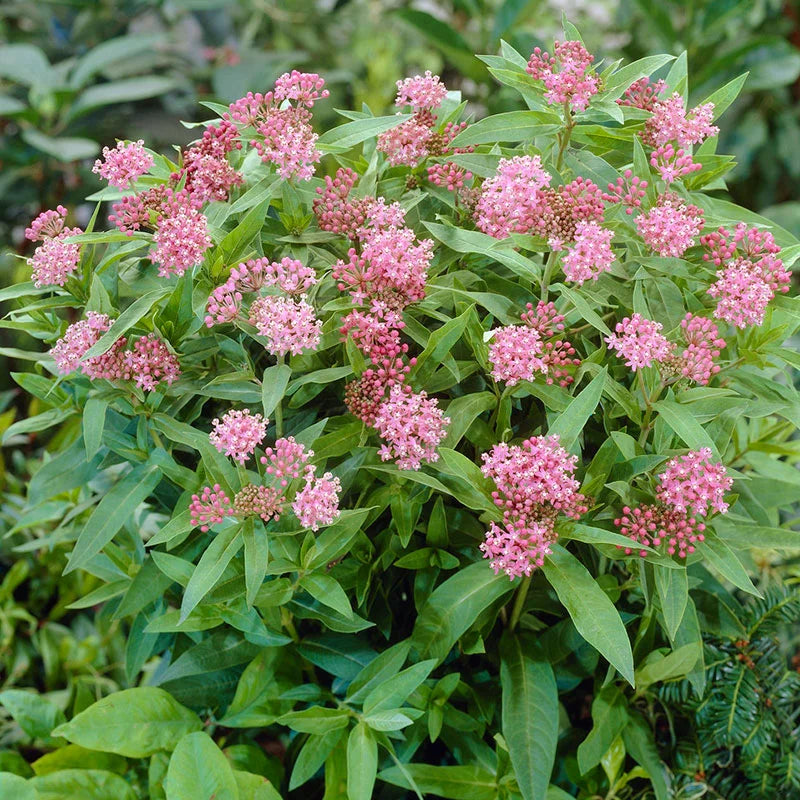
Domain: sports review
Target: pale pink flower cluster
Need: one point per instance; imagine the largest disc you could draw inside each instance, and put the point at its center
(643, 94)
(670, 227)
(406, 144)
(557, 355)
(673, 164)
(422, 92)
(703, 345)
(148, 361)
(317, 503)
(535, 482)
(123, 164)
(671, 122)
(392, 267)
(289, 325)
(146, 209)
(693, 483)
(207, 173)
(412, 426)
(590, 255)
(638, 340)
(751, 273)
(691, 487)
(566, 75)
(181, 242)
(55, 259)
(515, 354)
(238, 434)
(629, 190)
(285, 137)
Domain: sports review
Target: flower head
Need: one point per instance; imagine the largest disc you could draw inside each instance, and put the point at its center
(55, 259)
(181, 242)
(515, 354)
(122, 165)
(692, 483)
(259, 501)
(671, 122)
(287, 460)
(47, 225)
(290, 326)
(669, 228)
(520, 547)
(591, 255)
(317, 503)
(673, 532)
(150, 362)
(566, 75)
(210, 506)
(238, 434)
(638, 340)
(422, 92)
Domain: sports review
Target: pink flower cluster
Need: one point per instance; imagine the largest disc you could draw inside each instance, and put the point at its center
(238, 434)
(691, 487)
(412, 426)
(55, 259)
(703, 345)
(422, 92)
(285, 137)
(643, 94)
(629, 190)
(181, 242)
(207, 173)
(566, 75)
(449, 175)
(673, 164)
(638, 340)
(123, 164)
(670, 227)
(535, 482)
(591, 254)
(316, 503)
(146, 209)
(750, 273)
(289, 325)
(671, 122)
(147, 361)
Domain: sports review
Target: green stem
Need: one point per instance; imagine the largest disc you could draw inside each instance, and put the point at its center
(279, 412)
(157, 439)
(286, 621)
(564, 136)
(519, 602)
(549, 268)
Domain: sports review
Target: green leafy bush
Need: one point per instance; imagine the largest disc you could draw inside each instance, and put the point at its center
(319, 620)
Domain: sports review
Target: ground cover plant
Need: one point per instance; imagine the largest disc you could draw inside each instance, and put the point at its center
(420, 478)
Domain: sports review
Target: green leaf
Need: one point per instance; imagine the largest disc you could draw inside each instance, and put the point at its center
(716, 553)
(352, 133)
(380, 669)
(726, 94)
(625, 76)
(456, 783)
(13, 786)
(591, 611)
(39, 422)
(94, 420)
(529, 715)
(638, 738)
(328, 591)
(682, 421)
(394, 691)
(362, 762)
(26, 64)
(440, 343)
(316, 719)
(609, 717)
(122, 91)
(113, 511)
(511, 126)
(36, 715)
(583, 307)
(256, 556)
(133, 722)
(112, 51)
(673, 591)
(569, 423)
(86, 784)
(198, 769)
(273, 386)
(209, 569)
(62, 148)
(454, 606)
(312, 756)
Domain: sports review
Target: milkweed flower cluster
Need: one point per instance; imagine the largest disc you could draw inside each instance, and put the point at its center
(55, 259)
(123, 164)
(590, 255)
(690, 488)
(639, 341)
(669, 228)
(566, 75)
(535, 483)
(289, 325)
(750, 273)
(703, 345)
(147, 361)
(238, 435)
(181, 242)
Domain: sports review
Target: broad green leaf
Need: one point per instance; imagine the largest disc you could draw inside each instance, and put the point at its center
(609, 718)
(625, 76)
(122, 91)
(510, 126)
(529, 715)
(62, 148)
(570, 422)
(12, 785)
(453, 608)
(273, 386)
(681, 420)
(113, 511)
(591, 610)
(26, 64)
(380, 669)
(313, 755)
(455, 783)
(717, 553)
(673, 591)
(394, 691)
(659, 667)
(638, 738)
(362, 762)
(317, 720)
(35, 714)
(352, 133)
(86, 784)
(328, 591)
(256, 555)
(94, 420)
(198, 769)
(133, 722)
(112, 51)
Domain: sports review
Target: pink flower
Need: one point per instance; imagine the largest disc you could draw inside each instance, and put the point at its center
(150, 362)
(643, 94)
(673, 531)
(511, 200)
(238, 434)
(287, 460)
(77, 339)
(742, 294)
(334, 212)
(291, 275)
(673, 164)
(304, 88)
(519, 548)
(212, 505)
(411, 426)
(591, 255)
(566, 74)
(639, 342)
(703, 345)
(364, 396)
(448, 174)
(406, 144)
(376, 332)
(317, 503)
(55, 259)
(422, 92)
(544, 319)
(122, 165)
(514, 353)
(671, 122)
(670, 226)
(259, 501)
(209, 177)
(289, 325)
(224, 304)
(47, 225)
(628, 190)
(181, 242)
(692, 483)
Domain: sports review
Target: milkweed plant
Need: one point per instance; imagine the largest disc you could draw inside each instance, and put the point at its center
(416, 447)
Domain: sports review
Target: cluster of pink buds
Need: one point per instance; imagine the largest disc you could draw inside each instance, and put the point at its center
(673, 164)
(207, 173)
(147, 361)
(535, 483)
(691, 487)
(750, 273)
(629, 190)
(282, 120)
(703, 346)
(567, 75)
(55, 259)
(643, 94)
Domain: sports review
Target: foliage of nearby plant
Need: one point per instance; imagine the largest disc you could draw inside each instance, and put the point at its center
(416, 479)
